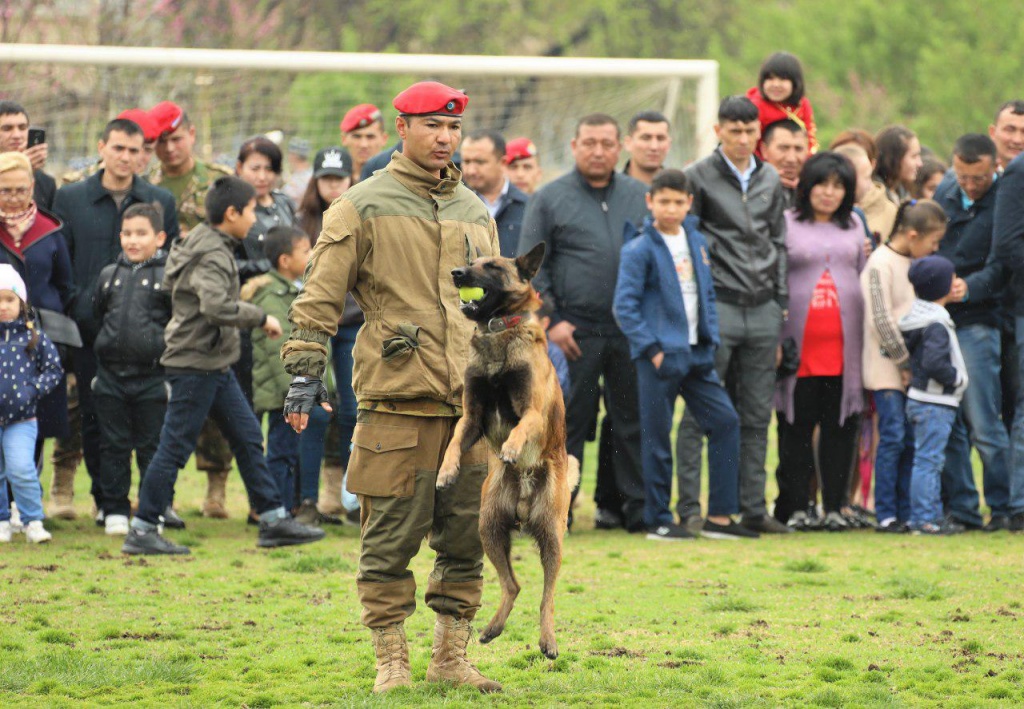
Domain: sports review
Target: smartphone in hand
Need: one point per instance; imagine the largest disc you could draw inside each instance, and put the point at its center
(36, 136)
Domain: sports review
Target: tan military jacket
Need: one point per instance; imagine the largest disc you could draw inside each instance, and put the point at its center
(192, 201)
(393, 241)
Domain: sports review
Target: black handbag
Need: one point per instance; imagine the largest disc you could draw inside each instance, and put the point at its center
(61, 329)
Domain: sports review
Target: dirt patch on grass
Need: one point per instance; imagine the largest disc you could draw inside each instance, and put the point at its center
(617, 652)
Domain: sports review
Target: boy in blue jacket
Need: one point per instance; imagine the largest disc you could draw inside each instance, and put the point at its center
(665, 305)
(937, 384)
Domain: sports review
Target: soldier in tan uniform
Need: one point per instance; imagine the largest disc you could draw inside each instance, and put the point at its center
(188, 179)
(393, 241)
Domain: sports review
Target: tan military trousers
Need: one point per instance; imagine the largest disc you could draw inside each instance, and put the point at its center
(395, 458)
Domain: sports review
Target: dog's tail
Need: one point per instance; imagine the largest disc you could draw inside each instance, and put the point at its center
(573, 472)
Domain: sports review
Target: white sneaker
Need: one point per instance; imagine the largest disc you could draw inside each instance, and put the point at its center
(5, 532)
(35, 533)
(16, 526)
(116, 525)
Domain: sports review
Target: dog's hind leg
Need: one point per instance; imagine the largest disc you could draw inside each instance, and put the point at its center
(548, 531)
(497, 523)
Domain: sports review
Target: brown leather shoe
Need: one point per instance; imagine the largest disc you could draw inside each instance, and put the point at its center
(392, 658)
(448, 662)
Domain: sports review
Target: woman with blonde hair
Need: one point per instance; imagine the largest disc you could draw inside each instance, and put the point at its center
(31, 242)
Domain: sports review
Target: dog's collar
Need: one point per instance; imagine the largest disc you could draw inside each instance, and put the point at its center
(500, 324)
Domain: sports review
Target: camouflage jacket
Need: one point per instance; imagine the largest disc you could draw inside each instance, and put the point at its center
(191, 201)
(393, 241)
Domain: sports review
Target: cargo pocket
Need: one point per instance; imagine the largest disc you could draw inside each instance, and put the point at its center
(401, 345)
(383, 461)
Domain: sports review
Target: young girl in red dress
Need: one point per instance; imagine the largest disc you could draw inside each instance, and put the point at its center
(779, 95)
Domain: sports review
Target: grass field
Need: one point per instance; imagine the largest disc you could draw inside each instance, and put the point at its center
(854, 619)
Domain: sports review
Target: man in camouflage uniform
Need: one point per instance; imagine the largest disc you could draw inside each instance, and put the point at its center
(393, 240)
(188, 179)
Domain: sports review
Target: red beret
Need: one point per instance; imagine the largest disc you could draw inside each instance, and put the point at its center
(431, 98)
(167, 116)
(143, 120)
(518, 149)
(359, 117)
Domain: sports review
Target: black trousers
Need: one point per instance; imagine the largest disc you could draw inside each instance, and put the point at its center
(130, 412)
(816, 403)
(85, 372)
(608, 357)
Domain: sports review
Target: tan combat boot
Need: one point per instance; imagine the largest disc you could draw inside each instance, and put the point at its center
(330, 493)
(216, 491)
(62, 493)
(392, 658)
(448, 662)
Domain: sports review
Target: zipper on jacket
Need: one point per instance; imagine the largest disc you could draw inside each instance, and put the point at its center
(435, 210)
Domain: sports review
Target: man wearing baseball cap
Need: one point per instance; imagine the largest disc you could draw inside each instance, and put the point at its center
(382, 240)
(523, 164)
(188, 179)
(363, 135)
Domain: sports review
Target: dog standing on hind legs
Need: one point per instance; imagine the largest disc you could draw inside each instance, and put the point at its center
(512, 399)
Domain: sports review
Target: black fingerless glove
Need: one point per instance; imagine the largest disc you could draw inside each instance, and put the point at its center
(303, 394)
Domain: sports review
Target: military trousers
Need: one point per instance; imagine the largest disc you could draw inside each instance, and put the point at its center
(393, 470)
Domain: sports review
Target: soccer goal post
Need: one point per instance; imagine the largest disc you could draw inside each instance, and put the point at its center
(234, 94)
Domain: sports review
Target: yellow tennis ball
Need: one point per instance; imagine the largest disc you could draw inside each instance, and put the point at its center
(468, 294)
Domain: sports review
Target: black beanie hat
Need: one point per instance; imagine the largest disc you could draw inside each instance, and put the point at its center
(931, 277)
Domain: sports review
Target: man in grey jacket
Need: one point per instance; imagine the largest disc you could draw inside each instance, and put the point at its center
(583, 217)
(740, 201)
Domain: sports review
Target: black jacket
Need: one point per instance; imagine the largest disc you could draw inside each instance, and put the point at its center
(968, 243)
(134, 308)
(45, 190)
(509, 219)
(92, 228)
(746, 233)
(1008, 228)
(584, 229)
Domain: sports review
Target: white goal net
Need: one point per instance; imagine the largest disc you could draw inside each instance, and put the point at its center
(231, 95)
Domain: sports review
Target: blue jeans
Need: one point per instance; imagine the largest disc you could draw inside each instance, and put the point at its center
(1017, 444)
(932, 424)
(979, 417)
(293, 456)
(341, 351)
(894, 460)
(18, 467)
(713, 411)
(193, 398)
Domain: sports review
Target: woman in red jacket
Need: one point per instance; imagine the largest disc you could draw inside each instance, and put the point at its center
(779, 95)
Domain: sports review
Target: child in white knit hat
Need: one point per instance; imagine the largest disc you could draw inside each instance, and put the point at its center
(29, 369)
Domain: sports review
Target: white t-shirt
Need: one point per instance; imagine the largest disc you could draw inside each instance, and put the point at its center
(680, 250)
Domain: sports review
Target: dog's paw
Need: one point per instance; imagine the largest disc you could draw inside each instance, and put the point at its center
(446, 476)
(490, 633)
(549, 648)
(510, 452)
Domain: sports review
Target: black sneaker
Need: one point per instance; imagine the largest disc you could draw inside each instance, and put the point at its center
(606, 519)
(138, 542)
(892, 526)
(694, 524)
(1017, 522)
(171, 519)
(669, 533)
(835, 522)
(947, 528)
(322, 518)
(287, 532)
(998, 523)
(766, 525)
(713, 530)
(967, 526)
(353, 518)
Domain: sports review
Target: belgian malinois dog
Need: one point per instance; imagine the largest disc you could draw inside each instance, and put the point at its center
(513, 400)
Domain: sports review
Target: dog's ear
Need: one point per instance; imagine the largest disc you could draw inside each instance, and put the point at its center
(529, 263)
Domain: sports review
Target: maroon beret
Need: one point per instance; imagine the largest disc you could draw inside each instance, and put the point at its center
(429, 98)
(359, 117)
(143, 120)
(167, 115)
(518, 149)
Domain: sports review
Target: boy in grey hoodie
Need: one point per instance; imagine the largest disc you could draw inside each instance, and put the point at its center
(939, 378)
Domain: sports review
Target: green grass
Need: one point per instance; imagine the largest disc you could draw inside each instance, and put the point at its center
(819, 620)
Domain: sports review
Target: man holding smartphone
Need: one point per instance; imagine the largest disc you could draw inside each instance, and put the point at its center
(14, 137)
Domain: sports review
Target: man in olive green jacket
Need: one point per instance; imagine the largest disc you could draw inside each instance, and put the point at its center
(393, 241)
